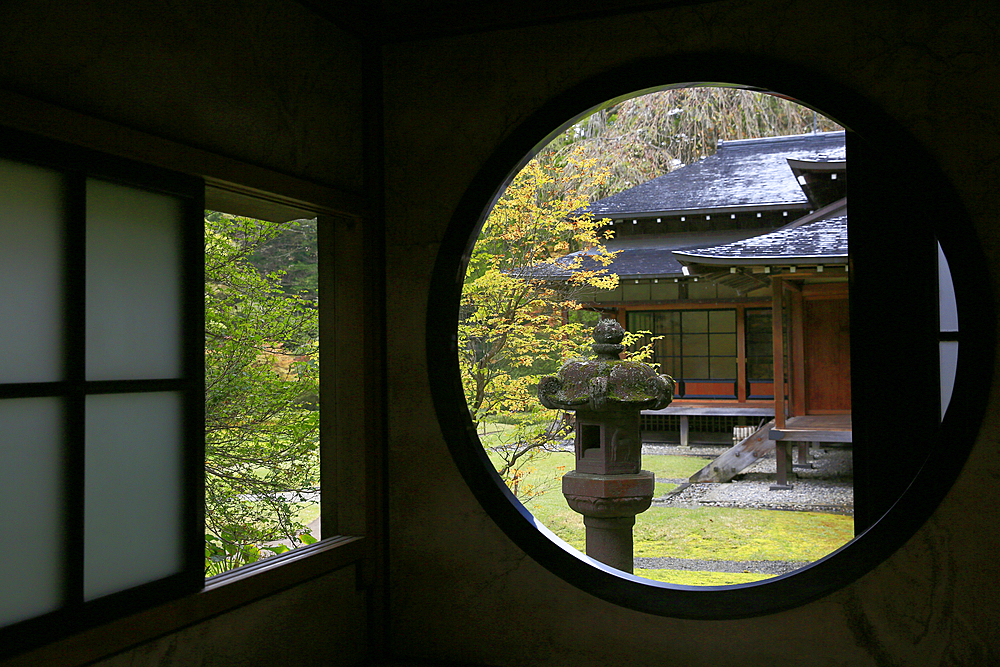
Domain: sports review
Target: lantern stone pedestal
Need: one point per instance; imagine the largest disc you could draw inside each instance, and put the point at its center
(608, 486)
(609, 504)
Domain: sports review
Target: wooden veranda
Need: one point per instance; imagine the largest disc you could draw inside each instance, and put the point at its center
(812, 373)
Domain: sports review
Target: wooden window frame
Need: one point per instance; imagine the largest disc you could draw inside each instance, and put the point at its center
(739, 382)
(349, 409)
(76, 166)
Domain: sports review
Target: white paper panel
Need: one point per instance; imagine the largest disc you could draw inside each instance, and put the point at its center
(949, 364)
(31, 216)
(133, 283)
(133, 495)
(31, 511)
(947, 306)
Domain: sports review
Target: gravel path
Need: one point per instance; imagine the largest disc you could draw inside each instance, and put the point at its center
(826, 487)
(772, 567)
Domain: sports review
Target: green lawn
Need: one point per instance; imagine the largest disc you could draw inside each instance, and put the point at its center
(307, 512)
(491, 432)
(705, 533)
(688, 578)
(673, 467)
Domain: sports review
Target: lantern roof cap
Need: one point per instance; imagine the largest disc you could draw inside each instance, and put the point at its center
(606, 383)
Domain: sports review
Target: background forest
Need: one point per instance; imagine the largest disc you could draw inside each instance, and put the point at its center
(261, 388)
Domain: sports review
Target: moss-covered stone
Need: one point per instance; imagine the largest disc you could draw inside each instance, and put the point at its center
(606, 382)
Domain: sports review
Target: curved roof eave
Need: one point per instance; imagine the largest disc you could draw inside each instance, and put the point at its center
(817, 165)
(766, 260)
(715, 210)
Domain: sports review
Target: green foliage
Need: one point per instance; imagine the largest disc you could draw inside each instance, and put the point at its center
(261, 389)
(291, 254)
(228, 550)
(640, 349)
(515, 325)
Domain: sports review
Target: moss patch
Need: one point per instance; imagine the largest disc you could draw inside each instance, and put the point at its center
(706, 533)
(721, 533)
(694, 578)
(625, 381)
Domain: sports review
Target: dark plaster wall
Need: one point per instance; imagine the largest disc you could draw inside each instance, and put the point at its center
(267, 83)
(319, 622)
(461, 589)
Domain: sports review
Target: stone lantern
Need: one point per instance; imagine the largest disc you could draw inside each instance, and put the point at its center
(608, 486)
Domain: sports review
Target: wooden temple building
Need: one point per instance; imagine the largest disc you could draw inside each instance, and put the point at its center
(805, 264)
(737, 266)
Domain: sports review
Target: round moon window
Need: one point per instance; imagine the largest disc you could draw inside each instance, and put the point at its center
(675, 371)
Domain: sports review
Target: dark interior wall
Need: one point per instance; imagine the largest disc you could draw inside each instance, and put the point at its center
(271, 84)
(460, 589)
(320, 622)
(267, 83)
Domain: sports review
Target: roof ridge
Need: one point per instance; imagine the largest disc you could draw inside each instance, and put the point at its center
(777, 140)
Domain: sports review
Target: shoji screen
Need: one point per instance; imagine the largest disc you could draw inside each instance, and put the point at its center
(101, 390)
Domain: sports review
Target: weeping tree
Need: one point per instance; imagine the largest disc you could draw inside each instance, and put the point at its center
(638, 139)
(261, 384)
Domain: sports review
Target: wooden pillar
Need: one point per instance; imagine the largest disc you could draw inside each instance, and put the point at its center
(803, 461)
(684, 431)
(796, 352)
(783, 461)
(778, 351)
(741, 354)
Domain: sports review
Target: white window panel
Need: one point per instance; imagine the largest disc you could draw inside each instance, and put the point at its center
(947, 305)
(31, 273)
(949, 363)
(133, 490)
(31, 495)
(133, 283)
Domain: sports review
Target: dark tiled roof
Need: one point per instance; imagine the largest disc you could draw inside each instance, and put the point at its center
(636, 262)
(640, 257)
(628, 263)
(816, 238)
(747, 173)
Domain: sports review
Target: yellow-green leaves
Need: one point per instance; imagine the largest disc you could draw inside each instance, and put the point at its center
(537, 250)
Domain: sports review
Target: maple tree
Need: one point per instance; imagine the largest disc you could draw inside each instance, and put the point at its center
(519, 318)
